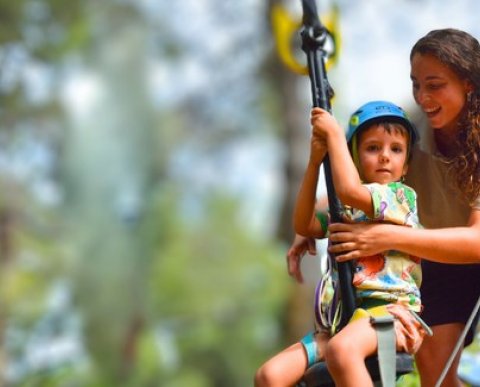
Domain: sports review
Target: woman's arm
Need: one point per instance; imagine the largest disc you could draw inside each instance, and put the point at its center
(454, 245)
(348, 186)
(300, 246)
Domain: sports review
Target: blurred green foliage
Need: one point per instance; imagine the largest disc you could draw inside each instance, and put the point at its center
(115, 269)
(219, 294)
(93, 298)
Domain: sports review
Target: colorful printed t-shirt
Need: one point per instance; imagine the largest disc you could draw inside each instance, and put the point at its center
(391, 276)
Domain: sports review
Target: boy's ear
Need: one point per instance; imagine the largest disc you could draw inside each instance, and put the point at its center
(405, 169)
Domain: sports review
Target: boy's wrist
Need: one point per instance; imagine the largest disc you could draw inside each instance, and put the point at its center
(336, 135)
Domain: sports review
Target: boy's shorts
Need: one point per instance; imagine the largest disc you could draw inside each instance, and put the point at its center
(409, 328)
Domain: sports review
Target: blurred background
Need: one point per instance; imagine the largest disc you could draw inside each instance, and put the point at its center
(150, 154)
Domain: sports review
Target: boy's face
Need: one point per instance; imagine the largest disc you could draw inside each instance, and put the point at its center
(382, 155)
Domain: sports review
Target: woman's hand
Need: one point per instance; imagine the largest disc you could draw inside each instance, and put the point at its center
(300, 246)
(356, 240)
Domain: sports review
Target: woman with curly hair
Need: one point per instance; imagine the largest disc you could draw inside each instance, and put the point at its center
(445, 172)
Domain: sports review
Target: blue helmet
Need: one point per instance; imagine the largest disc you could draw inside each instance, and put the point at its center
(378, 111)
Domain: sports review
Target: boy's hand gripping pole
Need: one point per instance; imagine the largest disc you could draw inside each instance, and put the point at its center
(314, 36)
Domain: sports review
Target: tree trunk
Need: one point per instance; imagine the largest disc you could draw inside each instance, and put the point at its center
(6, 252)
(109, 171)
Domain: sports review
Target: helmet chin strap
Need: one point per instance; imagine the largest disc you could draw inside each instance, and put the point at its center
(354, 148)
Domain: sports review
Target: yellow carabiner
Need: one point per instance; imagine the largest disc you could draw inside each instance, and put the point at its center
(284, 28)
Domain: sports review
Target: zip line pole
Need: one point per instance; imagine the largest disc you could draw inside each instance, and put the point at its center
(314, 36)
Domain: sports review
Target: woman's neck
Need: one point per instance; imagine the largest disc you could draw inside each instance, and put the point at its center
(446, 142)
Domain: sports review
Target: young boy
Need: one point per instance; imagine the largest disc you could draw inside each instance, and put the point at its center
(368, 181)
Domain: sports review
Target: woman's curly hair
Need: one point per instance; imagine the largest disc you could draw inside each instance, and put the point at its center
(461, 53)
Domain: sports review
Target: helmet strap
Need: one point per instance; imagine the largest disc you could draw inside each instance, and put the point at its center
(355, 157)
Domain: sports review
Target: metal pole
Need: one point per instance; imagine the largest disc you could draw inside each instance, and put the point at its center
(314, 36)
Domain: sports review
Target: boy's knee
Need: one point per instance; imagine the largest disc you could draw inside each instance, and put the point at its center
(265, 376)
(338, 353)
(260, 379)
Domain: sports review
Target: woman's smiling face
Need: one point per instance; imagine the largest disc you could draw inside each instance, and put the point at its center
(439, 92)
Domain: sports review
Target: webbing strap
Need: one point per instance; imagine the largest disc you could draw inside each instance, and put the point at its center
(386, 349)
(459, 343)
